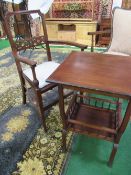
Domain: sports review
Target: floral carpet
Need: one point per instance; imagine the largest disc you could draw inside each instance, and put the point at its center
(17, 129)
(24, 146)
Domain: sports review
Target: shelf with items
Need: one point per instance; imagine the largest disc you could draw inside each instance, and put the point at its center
(73, 9)
(94, 117)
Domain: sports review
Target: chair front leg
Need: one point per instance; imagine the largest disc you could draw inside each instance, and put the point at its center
(23, 87)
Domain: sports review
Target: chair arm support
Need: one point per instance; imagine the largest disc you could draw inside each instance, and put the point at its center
(97, 33)
(81, 46)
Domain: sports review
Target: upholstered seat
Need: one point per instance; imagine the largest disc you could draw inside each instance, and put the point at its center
(43, 71)
(116, 53)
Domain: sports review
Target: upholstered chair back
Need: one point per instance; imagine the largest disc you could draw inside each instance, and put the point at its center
(121, 32)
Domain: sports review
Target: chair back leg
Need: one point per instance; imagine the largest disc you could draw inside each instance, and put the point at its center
(40, 108)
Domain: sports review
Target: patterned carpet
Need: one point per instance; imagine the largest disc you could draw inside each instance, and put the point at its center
(18, 127)
(26, 149)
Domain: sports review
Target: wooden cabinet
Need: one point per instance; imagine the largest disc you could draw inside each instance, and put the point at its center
(70, 30)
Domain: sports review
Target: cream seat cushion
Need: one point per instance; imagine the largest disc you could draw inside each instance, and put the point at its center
(116, 53)
(43, 71)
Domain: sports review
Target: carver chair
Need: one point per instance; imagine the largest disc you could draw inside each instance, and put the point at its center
(120, 33)
(33, 79)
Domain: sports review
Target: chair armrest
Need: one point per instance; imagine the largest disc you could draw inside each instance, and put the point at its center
(31, 63)
(99, 32)
(25, 60)
(81, 46)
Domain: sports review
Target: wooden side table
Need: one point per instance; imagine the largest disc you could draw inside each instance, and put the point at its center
(94, 73)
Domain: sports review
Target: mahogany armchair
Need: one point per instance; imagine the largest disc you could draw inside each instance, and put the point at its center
(35, 76)
(120, 33)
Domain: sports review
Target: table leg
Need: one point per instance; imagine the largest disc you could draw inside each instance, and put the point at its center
(63, 116)
(124, 122)
(120, 132)
(113, 153)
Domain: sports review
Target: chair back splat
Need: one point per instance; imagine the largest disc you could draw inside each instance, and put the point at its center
(121, 32)
(23, 39)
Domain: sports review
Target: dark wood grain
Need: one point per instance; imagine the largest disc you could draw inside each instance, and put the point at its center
(95, 71)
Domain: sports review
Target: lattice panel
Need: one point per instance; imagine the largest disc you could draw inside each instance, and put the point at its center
(23, 44)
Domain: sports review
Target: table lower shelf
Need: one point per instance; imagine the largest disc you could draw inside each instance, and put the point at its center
(91, 120)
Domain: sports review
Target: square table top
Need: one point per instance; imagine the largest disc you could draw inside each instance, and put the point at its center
(95, 71)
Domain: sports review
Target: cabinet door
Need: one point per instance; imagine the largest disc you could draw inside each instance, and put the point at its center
(67, 31)
(67, 35)
(82, 30)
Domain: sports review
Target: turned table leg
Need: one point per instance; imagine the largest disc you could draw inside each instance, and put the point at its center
(120, 132)
(63, 116)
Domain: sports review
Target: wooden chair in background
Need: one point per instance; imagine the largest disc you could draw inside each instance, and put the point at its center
(36, 75)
